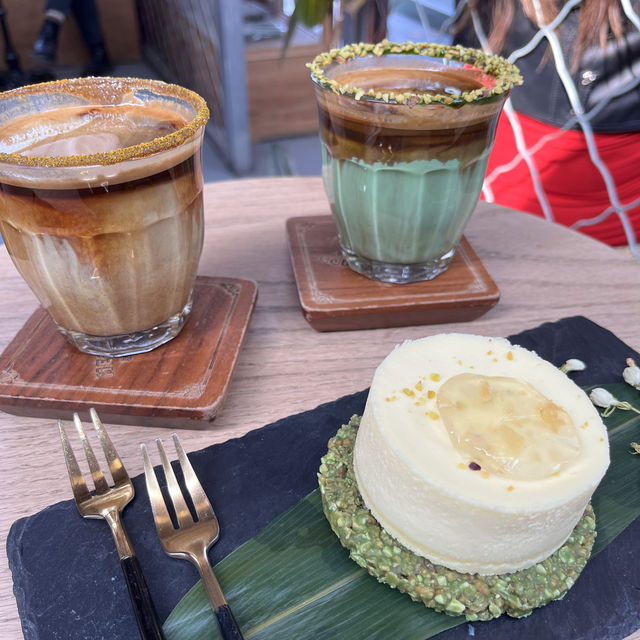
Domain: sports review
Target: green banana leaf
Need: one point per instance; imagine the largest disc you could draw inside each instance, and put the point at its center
(295, 580)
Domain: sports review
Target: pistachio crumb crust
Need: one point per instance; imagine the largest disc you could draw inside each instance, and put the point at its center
(477, 597)
(506, 74)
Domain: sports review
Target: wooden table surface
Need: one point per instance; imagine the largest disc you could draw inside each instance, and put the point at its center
(544, 272)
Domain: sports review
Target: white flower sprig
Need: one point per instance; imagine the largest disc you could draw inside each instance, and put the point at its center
(603, 398)
(572, 364)
(631, 374)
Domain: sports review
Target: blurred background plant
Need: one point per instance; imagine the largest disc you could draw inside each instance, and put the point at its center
(367, 19)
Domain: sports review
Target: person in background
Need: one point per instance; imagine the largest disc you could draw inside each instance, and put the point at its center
(86, 15)
(553, 173)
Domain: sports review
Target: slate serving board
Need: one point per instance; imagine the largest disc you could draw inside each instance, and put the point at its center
(67, 578)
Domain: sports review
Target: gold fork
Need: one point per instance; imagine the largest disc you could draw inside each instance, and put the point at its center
(192, 538)
(108, 503)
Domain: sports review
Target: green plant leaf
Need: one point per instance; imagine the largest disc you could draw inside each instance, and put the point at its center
(295, 580)
(310, 13)
(291, 27)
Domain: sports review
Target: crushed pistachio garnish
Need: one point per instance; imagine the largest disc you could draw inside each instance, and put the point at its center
(506, 74)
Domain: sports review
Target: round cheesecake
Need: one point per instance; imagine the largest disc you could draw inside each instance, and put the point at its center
(477, 454)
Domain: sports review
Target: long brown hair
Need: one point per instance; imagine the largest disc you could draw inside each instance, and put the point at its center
(598, 20)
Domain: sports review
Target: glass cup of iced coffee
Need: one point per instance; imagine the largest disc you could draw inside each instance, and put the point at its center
(101, 205)
(406, 131)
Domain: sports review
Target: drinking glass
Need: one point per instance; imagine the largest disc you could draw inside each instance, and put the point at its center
(406, 131)
(101, 205)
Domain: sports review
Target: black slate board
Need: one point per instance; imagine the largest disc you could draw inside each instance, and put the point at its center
(68, 583)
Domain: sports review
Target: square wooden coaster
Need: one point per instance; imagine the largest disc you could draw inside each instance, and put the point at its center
(183, 383)
(335, 298)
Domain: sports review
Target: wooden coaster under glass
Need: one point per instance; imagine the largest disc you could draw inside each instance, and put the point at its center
(335, 298)
(182, 383)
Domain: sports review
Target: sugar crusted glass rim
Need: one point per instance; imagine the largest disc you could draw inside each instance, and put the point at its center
(80, 86)
(505, 73)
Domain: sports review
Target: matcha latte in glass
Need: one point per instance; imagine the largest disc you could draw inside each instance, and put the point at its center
(406, 131)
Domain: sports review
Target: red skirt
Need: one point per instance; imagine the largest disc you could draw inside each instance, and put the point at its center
(573, 185)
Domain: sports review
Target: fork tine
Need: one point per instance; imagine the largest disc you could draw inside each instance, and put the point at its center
(78, 485)
(96, 473)
(158, 506)
(183, 514)
(118, 472)
(201, 503)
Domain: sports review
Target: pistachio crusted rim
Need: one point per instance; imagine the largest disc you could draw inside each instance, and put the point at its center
(162, 143)
(507, 74)
(477, 597)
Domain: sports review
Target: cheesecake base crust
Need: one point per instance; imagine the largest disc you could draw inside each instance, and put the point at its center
(477, 597)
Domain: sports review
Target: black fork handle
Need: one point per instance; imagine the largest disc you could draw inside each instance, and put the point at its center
(146, 616)
(228, 625)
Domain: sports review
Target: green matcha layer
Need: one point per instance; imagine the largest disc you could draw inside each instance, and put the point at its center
(475, 596)
(404, 213)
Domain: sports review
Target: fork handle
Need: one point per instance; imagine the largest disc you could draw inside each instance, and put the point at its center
(228, 625)
(146, 616)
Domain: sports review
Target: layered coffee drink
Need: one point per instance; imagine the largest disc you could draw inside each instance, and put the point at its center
(101, 206)
(406, 132)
